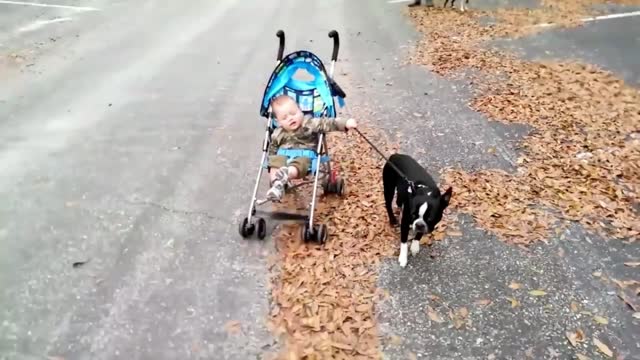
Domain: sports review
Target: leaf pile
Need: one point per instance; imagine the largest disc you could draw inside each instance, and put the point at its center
(323, 296)
(582, 161)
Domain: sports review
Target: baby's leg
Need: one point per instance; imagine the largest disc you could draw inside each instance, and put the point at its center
(278, 174)
(281, 173)
(299, 167)
(276, 162)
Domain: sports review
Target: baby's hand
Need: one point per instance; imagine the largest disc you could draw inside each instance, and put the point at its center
(352, 124)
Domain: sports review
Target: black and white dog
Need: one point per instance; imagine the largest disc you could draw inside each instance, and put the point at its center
(422, 204)
(462, 3)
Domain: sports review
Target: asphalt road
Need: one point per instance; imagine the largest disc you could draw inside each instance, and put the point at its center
(132, 141)
(429, 117)
(130, 137)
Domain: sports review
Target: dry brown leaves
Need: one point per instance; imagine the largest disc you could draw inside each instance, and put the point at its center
(583, 159)
(323, 297)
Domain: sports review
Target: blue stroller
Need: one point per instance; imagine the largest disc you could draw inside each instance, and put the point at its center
(315, 97)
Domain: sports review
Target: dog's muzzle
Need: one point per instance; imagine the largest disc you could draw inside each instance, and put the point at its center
(419, 226)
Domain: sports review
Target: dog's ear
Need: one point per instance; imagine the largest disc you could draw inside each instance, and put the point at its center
(446, 197)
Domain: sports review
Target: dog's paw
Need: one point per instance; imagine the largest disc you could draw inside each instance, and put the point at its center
(403, 258)
(402, 261)
(415, 247)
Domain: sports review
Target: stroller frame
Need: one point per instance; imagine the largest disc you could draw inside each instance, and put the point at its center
(331, 182)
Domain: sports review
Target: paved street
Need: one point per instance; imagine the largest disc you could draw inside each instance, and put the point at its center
(129, 141)
(461, 271)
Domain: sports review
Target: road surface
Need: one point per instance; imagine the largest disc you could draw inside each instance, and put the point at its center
(129, 141)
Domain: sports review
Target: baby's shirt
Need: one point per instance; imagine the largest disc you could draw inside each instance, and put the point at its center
(306, 136)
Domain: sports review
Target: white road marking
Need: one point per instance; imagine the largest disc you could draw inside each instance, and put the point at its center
(40, 23)
(601, 17)
(612, 16)
(46, 130)
(80, 8)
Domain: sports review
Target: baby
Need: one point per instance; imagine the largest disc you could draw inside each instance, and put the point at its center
(299, 132)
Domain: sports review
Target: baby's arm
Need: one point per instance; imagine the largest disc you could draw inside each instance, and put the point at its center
(327, 124)
(275, 143)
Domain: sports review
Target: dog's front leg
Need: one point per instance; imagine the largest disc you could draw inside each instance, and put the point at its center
(404, 237)
(415, 244)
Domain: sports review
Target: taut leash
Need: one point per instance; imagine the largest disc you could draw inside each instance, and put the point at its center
(404, 177)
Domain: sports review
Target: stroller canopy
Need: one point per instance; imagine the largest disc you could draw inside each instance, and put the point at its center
(314, 96)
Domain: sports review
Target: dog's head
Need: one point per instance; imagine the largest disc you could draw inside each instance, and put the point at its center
(427, 206)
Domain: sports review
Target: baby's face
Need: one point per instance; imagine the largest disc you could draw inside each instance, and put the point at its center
(289, 116)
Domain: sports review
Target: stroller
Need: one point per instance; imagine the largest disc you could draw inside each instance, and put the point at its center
(315, 98)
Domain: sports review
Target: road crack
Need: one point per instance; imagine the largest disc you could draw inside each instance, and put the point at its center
(173, 210)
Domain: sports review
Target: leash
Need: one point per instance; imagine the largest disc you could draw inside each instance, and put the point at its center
(404, 177)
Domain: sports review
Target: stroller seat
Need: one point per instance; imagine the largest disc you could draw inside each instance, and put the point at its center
(314, 97)
(293, 153)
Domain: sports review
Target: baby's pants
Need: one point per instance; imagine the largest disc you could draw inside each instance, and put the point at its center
(301, 163)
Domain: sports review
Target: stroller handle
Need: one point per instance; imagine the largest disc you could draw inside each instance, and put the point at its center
(280, 35)
(336, 44)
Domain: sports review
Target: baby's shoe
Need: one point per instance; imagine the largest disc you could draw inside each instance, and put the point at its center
(282, 175)
(276, 192)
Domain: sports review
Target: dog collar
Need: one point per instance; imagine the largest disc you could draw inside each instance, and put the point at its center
(412, 185)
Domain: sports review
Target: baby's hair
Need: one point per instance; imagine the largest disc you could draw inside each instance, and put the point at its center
(280, 100)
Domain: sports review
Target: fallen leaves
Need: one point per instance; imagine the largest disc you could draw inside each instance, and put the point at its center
(233, 327)
(601, 320)
(323, 296)
(395, 340)
(580, 159)
(537, 293)
(514, 302)
(575, 307)
(575, 337)
(459, 317)
(515, 285)
(434, 315)
(628, 301)
(602, 347)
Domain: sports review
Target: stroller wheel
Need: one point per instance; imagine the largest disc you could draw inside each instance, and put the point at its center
(245, 228)
(262, 228)
(328, 187)
(340, 187)
(321, 234)
(305, 233)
